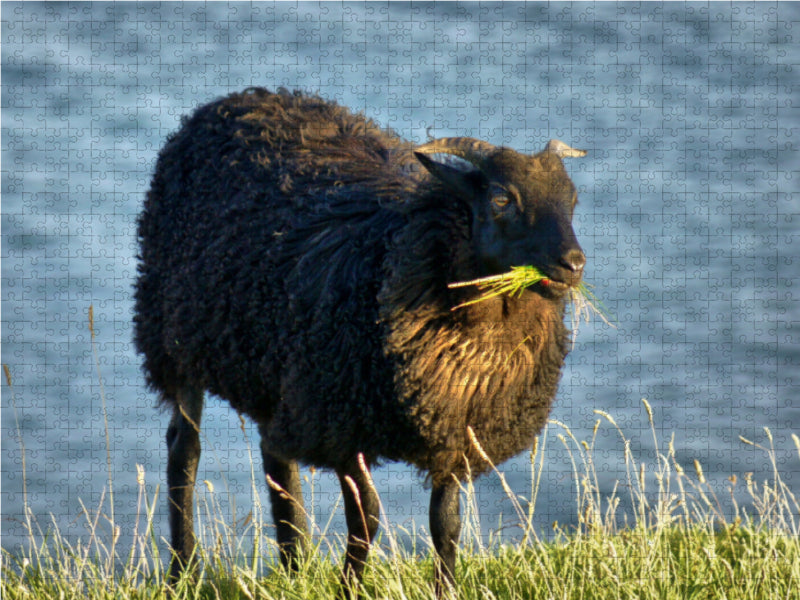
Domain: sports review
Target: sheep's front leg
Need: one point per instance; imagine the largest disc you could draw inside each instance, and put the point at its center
(362, 513)
(183, 456)
(288, 510)
(445, 521)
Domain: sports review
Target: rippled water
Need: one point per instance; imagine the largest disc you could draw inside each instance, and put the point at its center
(688, 213)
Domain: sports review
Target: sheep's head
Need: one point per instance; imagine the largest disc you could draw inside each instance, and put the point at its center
(521, 206)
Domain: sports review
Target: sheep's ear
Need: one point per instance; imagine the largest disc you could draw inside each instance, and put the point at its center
(462, 181)
(562, 150)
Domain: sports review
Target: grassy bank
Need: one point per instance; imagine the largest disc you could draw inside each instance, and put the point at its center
(677, 544)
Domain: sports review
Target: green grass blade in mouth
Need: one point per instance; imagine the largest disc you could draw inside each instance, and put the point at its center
(512, 282)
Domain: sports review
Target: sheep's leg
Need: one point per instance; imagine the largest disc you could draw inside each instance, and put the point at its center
(288, 511)
(183, 455)
(445, 521)
(362, 513)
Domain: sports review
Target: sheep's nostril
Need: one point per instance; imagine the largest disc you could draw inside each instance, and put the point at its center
(574, 260)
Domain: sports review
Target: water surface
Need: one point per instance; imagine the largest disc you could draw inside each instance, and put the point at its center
(688, 214)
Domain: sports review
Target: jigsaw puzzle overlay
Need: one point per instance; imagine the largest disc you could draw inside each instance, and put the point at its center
(688, 214)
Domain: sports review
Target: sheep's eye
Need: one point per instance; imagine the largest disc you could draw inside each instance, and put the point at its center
(500, 196)
(501, 200)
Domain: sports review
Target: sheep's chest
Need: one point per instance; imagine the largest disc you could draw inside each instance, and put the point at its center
(497, 375)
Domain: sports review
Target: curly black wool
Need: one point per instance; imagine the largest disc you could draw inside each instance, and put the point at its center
(295, 260)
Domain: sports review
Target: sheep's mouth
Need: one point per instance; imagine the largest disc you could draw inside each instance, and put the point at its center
(559, 278)
(554, 285)
(560, 282)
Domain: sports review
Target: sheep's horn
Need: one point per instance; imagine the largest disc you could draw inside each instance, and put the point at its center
(561, 150)
(470, 149)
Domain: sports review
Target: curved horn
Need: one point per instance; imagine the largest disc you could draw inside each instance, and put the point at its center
(470, 149)
(561, 150)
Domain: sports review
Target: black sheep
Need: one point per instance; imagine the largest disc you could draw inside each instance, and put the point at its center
(295, 260)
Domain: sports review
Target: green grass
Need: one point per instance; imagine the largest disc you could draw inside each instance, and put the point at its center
(677, 542)
(518, 279)
(512, 282)
(678, 545)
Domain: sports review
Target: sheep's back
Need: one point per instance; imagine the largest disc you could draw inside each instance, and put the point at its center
(262, 240)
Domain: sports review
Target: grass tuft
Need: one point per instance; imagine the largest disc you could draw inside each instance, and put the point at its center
(675, 543)
(512, 283)
(661, 533)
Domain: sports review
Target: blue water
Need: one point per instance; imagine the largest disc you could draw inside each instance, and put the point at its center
(689, 214)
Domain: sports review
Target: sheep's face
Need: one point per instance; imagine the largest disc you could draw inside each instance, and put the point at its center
(522, 209)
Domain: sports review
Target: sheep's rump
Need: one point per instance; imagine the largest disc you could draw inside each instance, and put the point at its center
(262, 242)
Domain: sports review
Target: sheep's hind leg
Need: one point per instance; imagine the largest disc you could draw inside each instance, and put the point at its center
(288, 511)
(445, 522)
(183, 456)
(362, 512)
